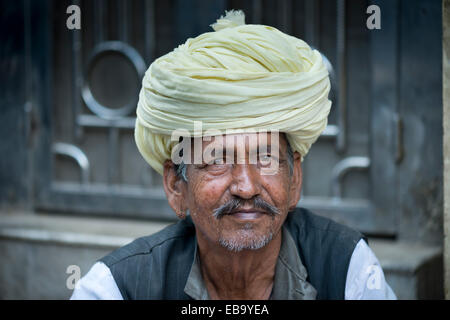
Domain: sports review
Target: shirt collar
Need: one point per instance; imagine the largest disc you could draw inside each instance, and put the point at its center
(195, 286)
(289, 281)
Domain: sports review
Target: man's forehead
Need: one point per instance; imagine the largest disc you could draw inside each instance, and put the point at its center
(249, 139)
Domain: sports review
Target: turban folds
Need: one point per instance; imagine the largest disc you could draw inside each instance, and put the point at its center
(239, 77)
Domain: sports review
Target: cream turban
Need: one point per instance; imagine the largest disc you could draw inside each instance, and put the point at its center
(238, 77)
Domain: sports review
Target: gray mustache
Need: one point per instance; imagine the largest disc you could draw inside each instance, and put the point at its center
(237, 203)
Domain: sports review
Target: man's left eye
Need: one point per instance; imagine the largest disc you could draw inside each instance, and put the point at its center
(266, 160)
(218, 161)
(265, 157)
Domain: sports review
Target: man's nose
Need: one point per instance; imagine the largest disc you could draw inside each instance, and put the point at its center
(245, 184)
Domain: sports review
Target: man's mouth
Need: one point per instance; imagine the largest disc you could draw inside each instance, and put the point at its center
(247, 214)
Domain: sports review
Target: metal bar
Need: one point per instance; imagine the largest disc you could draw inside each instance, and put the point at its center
(326, 203)
(311, 22)
(113, 154)
(257, 11)
(149, 31)
(359, 214)
(102, 189)
(100, 6)
(285, 11)
(122, 14)
(342, 168)
(101, 199)
(77, 79)
(28, 105)
(75, 153)
(384, 119)
(97, 122)
(341, 98)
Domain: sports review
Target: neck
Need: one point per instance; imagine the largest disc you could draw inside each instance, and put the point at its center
(247, 274)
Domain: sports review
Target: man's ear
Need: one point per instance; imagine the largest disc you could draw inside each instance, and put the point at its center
(296, 182)
(175, 189)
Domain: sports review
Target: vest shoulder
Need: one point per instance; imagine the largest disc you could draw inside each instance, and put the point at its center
(325, 248)
(303, 219)
(145, 245)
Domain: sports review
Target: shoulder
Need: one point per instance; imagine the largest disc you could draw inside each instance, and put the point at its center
(97, 284)
(325, 247)
(169, 236)
(303, 220)
(365, 277)
(155, 266)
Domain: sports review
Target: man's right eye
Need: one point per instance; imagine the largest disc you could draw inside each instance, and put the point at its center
(216, 160)
(217, 165)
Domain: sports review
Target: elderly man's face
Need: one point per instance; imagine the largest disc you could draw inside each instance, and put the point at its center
(232, 200)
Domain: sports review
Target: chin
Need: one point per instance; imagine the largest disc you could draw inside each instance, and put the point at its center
(245, 240)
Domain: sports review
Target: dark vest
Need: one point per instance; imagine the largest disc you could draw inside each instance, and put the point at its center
(157, 266)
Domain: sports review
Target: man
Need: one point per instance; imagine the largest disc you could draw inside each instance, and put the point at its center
(240, 235)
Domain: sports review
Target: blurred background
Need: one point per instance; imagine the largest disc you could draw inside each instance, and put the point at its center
(73, 186)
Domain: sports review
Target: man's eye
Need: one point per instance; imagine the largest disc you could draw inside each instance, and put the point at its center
(265, 157)
(216, 164)
(218, 161)
(267, 160)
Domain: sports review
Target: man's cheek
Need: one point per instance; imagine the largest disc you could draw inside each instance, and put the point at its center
(204, 203)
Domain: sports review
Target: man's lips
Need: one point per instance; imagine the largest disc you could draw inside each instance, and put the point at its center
(247, 214)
